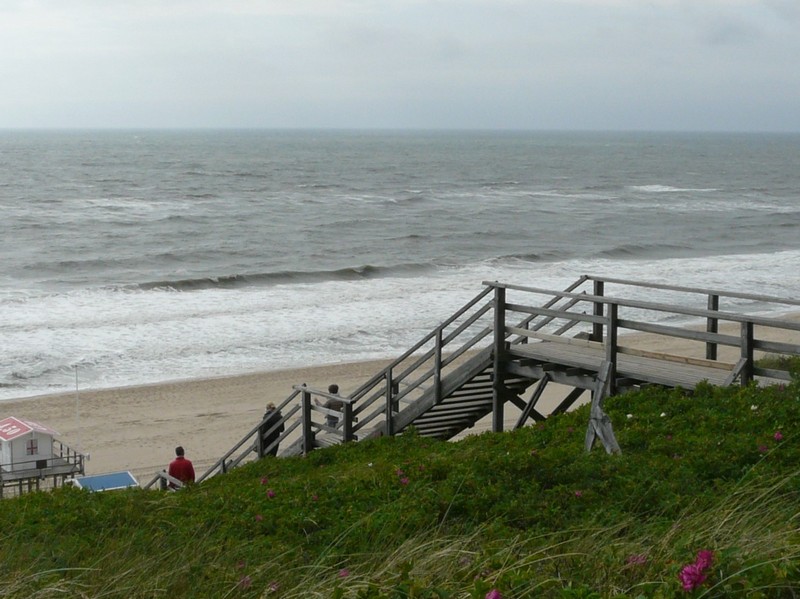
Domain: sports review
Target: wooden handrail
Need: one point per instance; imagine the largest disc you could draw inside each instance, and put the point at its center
(604, 306)
(698, 290)
(222, 463)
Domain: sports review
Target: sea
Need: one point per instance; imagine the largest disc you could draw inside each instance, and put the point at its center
(144, 256)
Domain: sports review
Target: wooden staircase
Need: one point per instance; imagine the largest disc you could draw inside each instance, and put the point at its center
(467, 396)
(475, 362)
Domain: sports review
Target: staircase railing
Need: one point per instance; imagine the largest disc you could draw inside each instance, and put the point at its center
(609, 317)
(248, 446)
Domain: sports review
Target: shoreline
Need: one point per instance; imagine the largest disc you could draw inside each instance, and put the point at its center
(137, 427)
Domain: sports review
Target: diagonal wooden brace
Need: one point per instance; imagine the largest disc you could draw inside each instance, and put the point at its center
(599, 422)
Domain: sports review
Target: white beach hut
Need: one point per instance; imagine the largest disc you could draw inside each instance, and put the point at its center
(25, 445)
(31, 456)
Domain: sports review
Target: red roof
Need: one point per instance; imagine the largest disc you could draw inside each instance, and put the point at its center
(11, 428)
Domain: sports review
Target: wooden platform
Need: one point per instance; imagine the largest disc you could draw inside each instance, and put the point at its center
(667, 370)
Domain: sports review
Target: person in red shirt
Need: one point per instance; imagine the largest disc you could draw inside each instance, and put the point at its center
(181, 468)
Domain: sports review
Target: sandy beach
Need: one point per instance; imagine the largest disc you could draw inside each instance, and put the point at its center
(137, 428)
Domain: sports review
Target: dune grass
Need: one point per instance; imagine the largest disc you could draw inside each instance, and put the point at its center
(518, 514)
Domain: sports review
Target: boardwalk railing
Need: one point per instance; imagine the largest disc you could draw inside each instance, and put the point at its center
(598, 314)
(700, 323)
(164, 482)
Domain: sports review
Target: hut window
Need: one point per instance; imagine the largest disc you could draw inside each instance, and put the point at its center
(32, 447)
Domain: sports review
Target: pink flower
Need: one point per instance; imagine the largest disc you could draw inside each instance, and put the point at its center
(704, 559)
(259, 517)
(245, 582)
(399, 472)
(270, 493)
(637, 559)
(778, 436)
(344, 573)
(404, 480)
(691, 577)
(578, 493)
(264, 480)
(314, 497)
(494, 594)
(763, 449)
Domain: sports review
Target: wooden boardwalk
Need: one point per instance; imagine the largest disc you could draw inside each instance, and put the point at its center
(509, 342)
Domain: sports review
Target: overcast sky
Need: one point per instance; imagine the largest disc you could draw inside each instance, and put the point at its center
(730, 65)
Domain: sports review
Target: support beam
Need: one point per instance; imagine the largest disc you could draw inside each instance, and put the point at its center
(599, 422)
(537, 395)
(567, 402)
(498, 383)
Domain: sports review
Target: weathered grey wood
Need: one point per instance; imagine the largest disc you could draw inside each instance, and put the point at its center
(654, 306)
(646, 369)
(536, 311)
(597, 310)
(443, 392)
(678, 332)
(535, 397)
(769, 373)
(557, 338)
(699, 290)
(612, 329)
(746, 374)
(599, 422)
(308, 434)
(776, 347)
(675, 358)
(712, 325)
(567, 402)
(534, 373)
(735, 372)
(499, 358)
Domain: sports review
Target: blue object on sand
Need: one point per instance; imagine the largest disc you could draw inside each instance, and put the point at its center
(106, 482)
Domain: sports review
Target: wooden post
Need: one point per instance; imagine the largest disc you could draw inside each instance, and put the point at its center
(747, 353)
(437, 367)
(597, 327)
(611, 345)
(599, 423)
(259, 443)
(347, 428)
(390, 404)
(308, 435)
(712, 326)
(498, 384)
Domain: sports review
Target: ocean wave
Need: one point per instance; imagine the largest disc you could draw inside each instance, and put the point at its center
(639, 250)
(670, 189)
(282, 277)
(533, 257)
(574, 195)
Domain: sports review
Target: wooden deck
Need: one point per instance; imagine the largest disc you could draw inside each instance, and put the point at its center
(667, 370)
(509, 342)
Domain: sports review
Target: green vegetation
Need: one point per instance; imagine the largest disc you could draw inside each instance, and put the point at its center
(519, 514)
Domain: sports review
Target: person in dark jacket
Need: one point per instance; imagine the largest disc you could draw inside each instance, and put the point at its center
(271, 418)
(332, 404)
